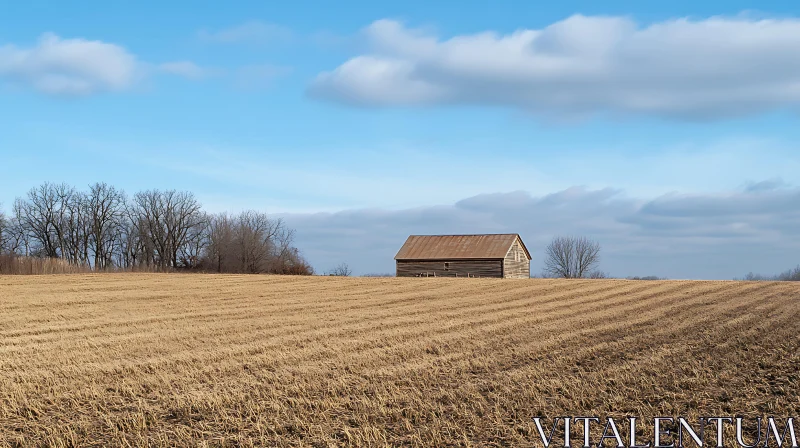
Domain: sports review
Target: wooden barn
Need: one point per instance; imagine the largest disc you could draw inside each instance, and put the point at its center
(497, 255)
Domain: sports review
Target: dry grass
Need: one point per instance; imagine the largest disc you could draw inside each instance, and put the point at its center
(190, 360)
(17, 265)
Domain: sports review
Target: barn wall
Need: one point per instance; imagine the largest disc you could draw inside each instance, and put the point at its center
(458, 268)
(513, 268)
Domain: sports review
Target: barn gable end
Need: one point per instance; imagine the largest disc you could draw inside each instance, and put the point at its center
(516, 263)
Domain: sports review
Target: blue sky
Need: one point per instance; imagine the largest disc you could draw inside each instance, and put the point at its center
(357, 119)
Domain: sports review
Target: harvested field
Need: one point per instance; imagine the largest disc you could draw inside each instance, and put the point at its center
(184, 360)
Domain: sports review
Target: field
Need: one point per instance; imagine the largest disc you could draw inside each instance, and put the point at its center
(190, 360)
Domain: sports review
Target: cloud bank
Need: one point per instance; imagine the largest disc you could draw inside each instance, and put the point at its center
(679, 236)
(79, 67)
(688, 69)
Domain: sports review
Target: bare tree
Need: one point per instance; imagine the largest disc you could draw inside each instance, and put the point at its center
(166, 221)
(185, 222)
(135, 249)
(146, 213)
(286, 258)
(254, 234)
(75, 229)
(192, 250)
(16, 241)
(220, 243)
(106, 214)
(342, 270)
(3, 231)
(10, 239)
(41, 216)
(571, 257)
(65, 223)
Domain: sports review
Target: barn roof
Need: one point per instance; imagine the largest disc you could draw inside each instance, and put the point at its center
(442, 247)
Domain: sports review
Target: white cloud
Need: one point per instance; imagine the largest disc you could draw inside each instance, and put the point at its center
(249, 32)
(684, 68)
(79, 67)
(69, 66)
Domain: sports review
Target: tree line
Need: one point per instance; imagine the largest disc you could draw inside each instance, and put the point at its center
(790, 275)
(102, 228)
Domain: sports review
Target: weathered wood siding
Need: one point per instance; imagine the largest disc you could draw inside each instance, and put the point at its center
(456, 268)
(516, 263)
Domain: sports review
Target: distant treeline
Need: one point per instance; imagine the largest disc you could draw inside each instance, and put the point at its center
(791, 275)
(103, 229)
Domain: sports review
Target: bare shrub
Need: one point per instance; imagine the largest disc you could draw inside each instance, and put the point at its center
(252, 243)
(342, 270)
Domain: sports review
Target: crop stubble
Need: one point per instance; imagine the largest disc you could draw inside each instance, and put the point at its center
(187, 360)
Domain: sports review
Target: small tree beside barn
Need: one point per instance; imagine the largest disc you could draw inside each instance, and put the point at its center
(495, 255)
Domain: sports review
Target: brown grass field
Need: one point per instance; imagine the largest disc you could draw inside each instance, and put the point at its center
(210, 360)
